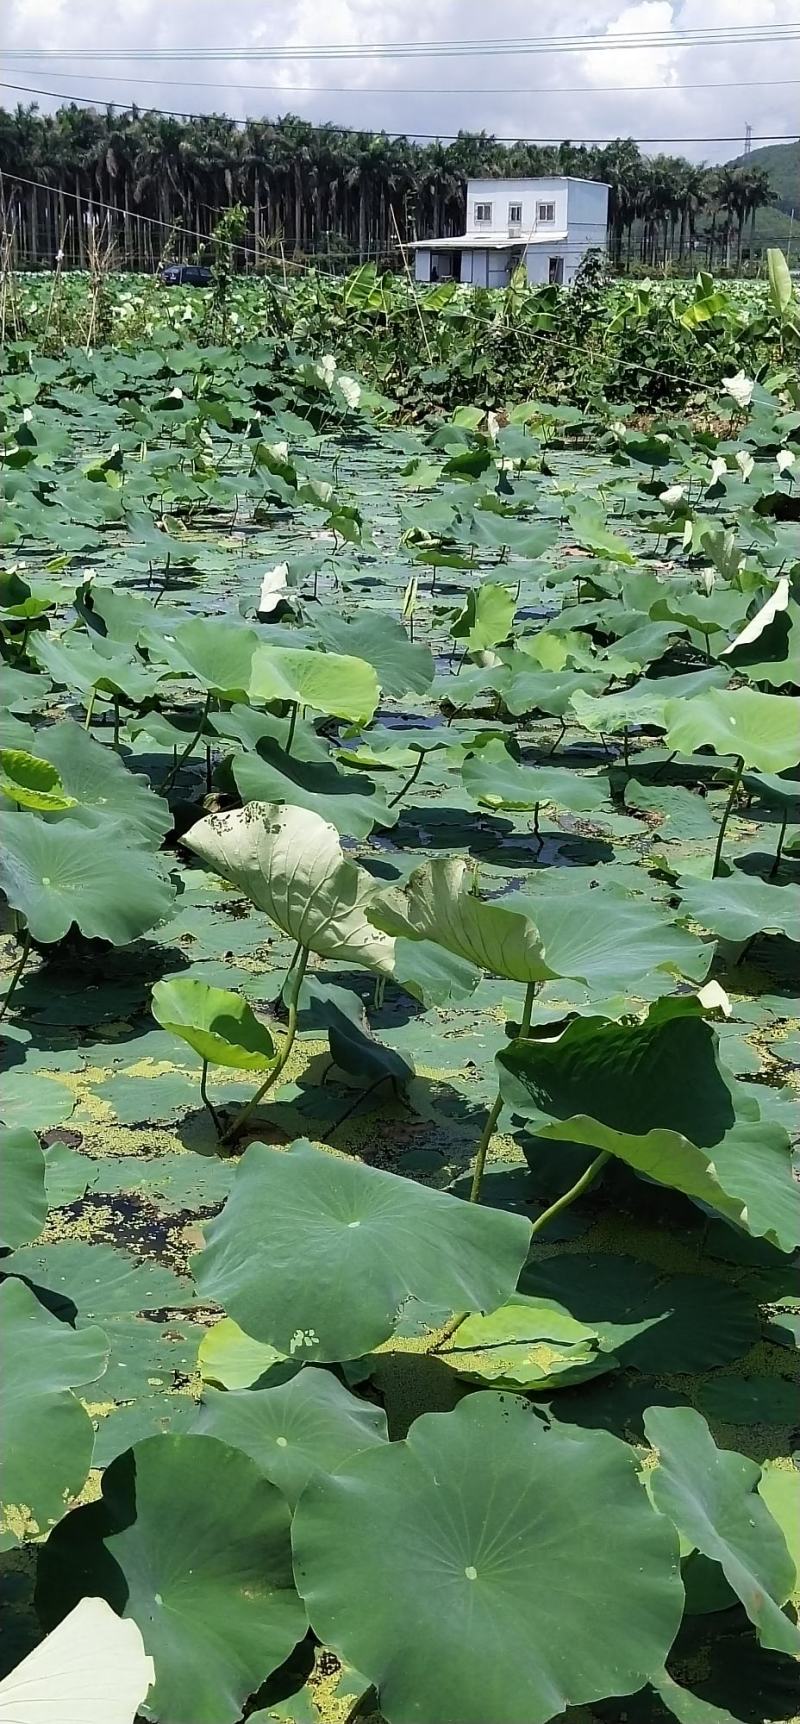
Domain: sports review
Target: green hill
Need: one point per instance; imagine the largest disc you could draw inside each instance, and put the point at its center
(782, 163)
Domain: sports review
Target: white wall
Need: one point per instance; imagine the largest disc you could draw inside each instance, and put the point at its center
(530, 193)
(422, 264)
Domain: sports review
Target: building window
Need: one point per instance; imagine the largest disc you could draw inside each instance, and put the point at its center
(515, 215)
(555, 272)
(483, 213)
(546, 212)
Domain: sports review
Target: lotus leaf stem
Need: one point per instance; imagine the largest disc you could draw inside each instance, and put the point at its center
(737, 779)
(409, 781)
(292, 723)
(11, 989)
(90, 709)
(297, 973)
(494, 1115)
(574, 1192)
(781, 835)
(185, 752)
(206, 1099)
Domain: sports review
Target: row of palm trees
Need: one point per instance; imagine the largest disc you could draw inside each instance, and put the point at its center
(152, 184)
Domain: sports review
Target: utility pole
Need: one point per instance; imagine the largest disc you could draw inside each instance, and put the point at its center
(748, 138)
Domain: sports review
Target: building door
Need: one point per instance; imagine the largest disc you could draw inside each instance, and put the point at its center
(555, 273)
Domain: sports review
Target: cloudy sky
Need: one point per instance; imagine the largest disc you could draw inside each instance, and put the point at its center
(664, 90)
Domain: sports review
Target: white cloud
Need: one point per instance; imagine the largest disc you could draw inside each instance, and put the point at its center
(514, 95)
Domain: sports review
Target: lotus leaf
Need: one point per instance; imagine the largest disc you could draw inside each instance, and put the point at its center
(309, 1425)
(64, 874)
(221, 1027)
(24, 1204)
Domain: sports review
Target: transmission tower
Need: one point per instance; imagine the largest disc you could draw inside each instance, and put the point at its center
(748, 138)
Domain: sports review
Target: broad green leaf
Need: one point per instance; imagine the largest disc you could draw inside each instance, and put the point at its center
(192, 1542)
(349, 800)
(487, 617)
(653, 1094)
(498, 781)
(229, 1359)
(688, 1708)
(46, 1437)
(289, 862)
(309, 1425)
(24, 1205)
(528, 1343)
(643, 703)
(761, 729)
(402, 666)
(779, 1488)
(63, 874)
(102, 783)
(339, 685)
(437, 904)
(781, 290)
(737, 906)
(711, 1496)
(588, 522)
(375, 1241)
(486, 1557)
(32, 782)
(218, 652)
(82, 666)
(220, 1026)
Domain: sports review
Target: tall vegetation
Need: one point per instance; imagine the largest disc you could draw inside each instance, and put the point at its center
(154, 182)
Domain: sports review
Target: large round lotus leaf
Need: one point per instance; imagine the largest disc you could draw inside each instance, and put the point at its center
(711, 1496)
(192, 1542)
(78, 665)
(24, 1206)
(738, 906)
(100, 1280)
(643, 703)
(761, 729)
(654, 1095)
(99, 780)
(220, 1026)
(616, 943)
(63, 874)
(340, 686)
(289, 862)
(348, 799)
(308, 1425)
(499, 781)
(317, 1255)
(403, 666)
(489, 1567)
(45, 1436)
(217, 652)
(437, 904)
(31, 782)
(529, 1344)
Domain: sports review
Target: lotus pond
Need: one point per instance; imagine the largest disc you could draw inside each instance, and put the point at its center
(400, 839)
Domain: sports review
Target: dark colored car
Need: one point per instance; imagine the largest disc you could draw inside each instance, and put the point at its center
(184, 275)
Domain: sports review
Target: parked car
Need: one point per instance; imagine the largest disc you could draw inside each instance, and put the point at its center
(184, 275)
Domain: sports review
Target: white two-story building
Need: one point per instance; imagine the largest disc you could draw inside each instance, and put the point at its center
(546, 224)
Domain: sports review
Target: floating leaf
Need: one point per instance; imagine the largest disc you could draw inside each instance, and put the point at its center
(63, 874)
(738, 906)
(309, 1425)
(486, 1529)
(24, 1206)
(375, 1241)
(530, 1344)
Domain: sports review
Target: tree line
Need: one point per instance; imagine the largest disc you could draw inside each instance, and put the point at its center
(146, 185)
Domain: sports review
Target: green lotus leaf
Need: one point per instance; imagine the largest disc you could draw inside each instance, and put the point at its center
(220, 1026)
(354, 1049)
(688, 1708)
(309, 1425)
(653, 1094)
(373, 1239)
(487, 617)
(487, 1557)
(402, 666)
(101, 783)
(761, 729)
(530, 1344)
(738, 906)
(498, 781)
(32, 782)
(711, 1496)
(588, 522)
(191, 1542)
(83, 667)
(548, 691)
(65, 873)
(348, 799)
(46, 1437)
(229, 1359)
(24, 1206)
(99, 1281)
(532, 940)
(332, 683)
(218, 652)
(643, 703)
(779, 1488)
(775, 791)
(289, 862)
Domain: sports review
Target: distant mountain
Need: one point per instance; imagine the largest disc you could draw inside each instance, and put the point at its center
(782, 163)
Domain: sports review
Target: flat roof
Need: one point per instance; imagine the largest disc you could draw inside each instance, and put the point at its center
(485, 242)
(533, 179)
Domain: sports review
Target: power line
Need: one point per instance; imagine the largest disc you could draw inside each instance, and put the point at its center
(722, 36)
(430, 90)
(427, 137)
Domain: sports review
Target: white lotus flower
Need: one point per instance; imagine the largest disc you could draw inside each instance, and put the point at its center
(708, 580)
(744, 462)
(785, 460)
(779, 601)
(280, 451)
(273, 588)
(719, 468)
(492, 426)
(175, 394)
(350, 390)
(740, 389)
(673, 494)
